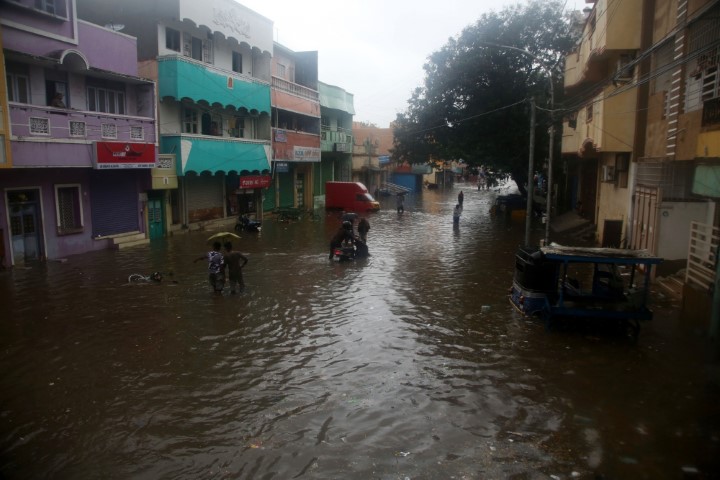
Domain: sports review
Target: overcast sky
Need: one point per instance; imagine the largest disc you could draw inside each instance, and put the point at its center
(374, 49)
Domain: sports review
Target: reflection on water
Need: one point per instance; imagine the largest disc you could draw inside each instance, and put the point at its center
(408, 364)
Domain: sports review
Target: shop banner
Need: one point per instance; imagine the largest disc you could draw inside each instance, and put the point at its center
(124, 155)
(306, 154)
(255, 181)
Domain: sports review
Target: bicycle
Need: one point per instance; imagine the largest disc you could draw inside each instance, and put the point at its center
(155, 277)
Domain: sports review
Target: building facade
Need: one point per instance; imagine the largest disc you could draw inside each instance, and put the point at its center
(643, 140)
(371, 155)
(296, 129)
(336, 137)
(79, 131)
(212, 62)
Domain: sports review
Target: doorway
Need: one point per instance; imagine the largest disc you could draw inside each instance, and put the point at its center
(25, 231)
(156, 217)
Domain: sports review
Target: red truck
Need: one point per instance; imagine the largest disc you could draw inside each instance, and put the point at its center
(349, 196)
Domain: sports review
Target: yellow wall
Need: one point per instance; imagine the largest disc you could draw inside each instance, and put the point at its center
(612, 201)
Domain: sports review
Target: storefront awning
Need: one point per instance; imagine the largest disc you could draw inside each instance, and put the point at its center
(207, 155)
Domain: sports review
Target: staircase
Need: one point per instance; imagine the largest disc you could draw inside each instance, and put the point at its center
(127, 240)
(672, 285)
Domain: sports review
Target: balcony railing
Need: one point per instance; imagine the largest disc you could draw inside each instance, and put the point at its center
(40, 122)
(295, 89)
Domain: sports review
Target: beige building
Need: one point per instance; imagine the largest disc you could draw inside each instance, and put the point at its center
(645, 88)
(371, 154)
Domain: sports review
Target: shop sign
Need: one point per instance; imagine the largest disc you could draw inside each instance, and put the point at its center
(280, 135)
(384, 159)
(282, 167)
(255, 181)
(114, 155)
(306, 154)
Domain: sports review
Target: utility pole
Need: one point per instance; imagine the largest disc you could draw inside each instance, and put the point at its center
(531, 169)
(549, 198)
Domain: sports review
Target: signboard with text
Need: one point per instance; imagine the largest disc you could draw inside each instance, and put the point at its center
(255, 181)
(306, 154)
(114, 155)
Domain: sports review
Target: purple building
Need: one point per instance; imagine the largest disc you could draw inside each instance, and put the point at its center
(79, 134)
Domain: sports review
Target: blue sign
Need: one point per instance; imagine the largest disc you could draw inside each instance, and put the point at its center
(384, 159)
(282, 167)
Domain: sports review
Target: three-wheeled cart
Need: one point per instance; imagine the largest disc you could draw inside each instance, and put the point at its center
(556, 281)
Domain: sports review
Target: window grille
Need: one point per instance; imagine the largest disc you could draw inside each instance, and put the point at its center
(77, 129)
(137, 133)
(69, 209)
(109, 130)
(39, 126)
(165, 162)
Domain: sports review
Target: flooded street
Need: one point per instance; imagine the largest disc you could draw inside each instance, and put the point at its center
(408, 364)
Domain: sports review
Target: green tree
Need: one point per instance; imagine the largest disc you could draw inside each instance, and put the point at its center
(473, 104)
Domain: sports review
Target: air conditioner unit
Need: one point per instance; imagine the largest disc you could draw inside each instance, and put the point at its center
(608, 173)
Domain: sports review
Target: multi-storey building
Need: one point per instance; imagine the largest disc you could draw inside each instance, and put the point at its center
(598, 143)
(336, 139)
(296, 130)
(81, 133)
(212, 61)
(371, 155)
(644, 137)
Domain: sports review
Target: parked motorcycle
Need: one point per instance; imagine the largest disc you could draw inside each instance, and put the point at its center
(246, 224)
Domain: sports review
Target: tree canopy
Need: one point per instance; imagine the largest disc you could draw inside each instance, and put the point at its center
(473, 104)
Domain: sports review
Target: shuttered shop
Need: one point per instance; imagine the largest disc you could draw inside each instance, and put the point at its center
(114, 202)
(204, 197)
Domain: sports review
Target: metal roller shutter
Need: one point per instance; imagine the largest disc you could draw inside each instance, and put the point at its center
(204, 196)
(114, 202)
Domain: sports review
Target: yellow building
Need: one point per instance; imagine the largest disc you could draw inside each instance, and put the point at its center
(645, 118)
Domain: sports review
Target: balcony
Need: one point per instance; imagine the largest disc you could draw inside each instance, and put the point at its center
(32, 122)
(285, 141)
(295, 89)
(610, 31)
(182, 77)
(336, 141)
(606, 124)
(201, 153)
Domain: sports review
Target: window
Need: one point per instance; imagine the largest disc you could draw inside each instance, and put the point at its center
(105, 100)
(172, 39)
(197, 49)
(68, 209)
(191, 122)
(18, 88)
(589, 113)
(237, 62)
(239, 130)
(281, 70)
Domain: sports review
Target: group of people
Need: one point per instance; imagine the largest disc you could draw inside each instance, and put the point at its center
(218, 262)
(346, 235)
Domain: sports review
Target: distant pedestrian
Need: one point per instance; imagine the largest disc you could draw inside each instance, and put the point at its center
(216, 274)
(456, 214)
(461, 197)
(363, 228)
(232, 261)
(400, 202)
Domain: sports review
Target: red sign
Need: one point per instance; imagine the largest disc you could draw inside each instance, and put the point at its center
(255, 181)
(124, 155)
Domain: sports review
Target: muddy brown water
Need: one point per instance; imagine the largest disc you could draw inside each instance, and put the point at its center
(408, 365)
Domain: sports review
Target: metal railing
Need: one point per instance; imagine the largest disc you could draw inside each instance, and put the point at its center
(702, 255)
(295, 89)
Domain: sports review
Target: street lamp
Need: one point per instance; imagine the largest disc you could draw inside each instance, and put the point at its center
(548, 200)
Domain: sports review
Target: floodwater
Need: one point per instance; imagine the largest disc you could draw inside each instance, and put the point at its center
(408, 365)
